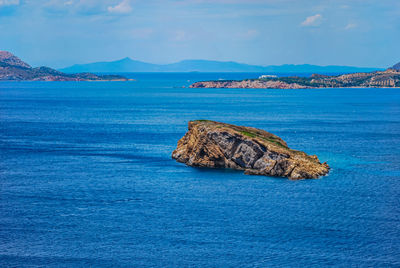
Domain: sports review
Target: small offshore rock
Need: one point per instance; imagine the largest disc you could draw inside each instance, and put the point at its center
(255, 151)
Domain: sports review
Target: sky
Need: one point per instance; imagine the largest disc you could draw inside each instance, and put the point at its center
(59, 33)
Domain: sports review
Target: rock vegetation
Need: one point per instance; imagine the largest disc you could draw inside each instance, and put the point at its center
(219, 145)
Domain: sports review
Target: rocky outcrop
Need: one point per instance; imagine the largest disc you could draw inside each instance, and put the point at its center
(219, 145)
(387, 78)
(14, 69)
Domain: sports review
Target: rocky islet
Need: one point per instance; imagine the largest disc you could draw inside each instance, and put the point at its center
(255, 151)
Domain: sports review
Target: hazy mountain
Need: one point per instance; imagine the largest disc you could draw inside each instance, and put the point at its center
(123, 65)
(210, 66)
(307, 68)
(129, 65)
(396, 66)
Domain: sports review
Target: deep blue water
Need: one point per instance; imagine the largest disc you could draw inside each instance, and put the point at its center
(87, 179)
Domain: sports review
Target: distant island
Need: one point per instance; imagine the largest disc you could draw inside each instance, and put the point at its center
(14, 69)
(130, 65)
(386, 78)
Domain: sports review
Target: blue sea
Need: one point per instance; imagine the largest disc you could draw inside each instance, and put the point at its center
(87, 179)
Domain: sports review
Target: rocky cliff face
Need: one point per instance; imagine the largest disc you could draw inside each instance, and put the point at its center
(219, 145)
(14, 69)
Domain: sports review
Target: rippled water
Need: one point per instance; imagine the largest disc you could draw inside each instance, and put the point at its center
(87, 178)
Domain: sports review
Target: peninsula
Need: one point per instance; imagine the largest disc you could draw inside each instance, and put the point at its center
(14, 69)
(219, 145)
(386, 78)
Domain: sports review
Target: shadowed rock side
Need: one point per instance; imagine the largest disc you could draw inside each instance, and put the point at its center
(219, 145)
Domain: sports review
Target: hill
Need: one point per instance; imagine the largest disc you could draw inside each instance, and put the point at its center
(121, 66)
(13, 68)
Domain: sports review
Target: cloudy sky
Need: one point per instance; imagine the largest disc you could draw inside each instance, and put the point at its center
(59, 33)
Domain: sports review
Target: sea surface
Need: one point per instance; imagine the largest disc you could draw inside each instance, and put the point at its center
(87, 179)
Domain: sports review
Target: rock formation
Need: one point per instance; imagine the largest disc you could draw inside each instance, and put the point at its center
(219, 145)
(14, 69)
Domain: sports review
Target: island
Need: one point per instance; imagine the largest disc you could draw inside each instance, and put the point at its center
(219, 145)
(386, 78)
(14, 69)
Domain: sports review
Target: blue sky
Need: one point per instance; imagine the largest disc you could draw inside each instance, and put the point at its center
(59, 33)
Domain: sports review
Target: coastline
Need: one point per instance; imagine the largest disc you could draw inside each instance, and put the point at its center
(294, 88)
(389, 78)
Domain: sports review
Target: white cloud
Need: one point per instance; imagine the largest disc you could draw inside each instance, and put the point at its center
(350, 26)
(123, 7)
(8, 2)
(312, 20)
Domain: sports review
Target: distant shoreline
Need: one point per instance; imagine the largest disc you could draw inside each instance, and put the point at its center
(389, 78)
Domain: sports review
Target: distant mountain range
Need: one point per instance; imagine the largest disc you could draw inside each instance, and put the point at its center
(13, 68)
(129, 65)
